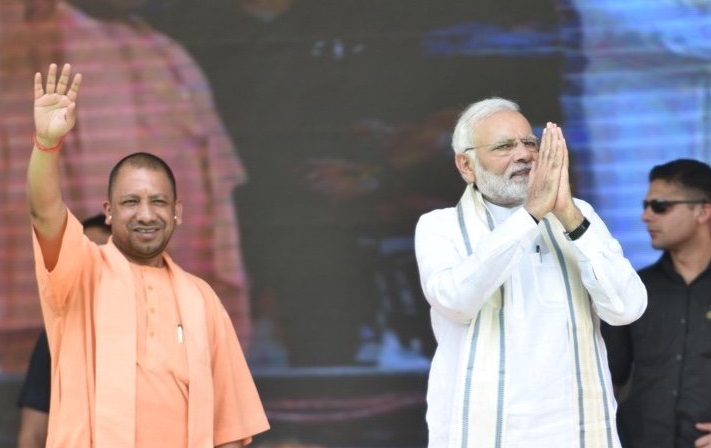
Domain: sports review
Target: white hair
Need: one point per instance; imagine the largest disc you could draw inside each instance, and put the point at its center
(463, 134)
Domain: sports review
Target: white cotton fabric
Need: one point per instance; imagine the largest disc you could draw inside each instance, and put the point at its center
(539, 397)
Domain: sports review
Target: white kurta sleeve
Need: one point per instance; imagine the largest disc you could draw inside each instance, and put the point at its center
(456, 284)
(618, 294)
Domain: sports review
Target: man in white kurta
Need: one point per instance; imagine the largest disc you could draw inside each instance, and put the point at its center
(518, 276)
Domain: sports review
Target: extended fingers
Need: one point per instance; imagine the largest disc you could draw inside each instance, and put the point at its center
(51, 82)
(557, 153)
(51, 75)
(61, 86)
(564, 149)
(74, 88)
(54, 85)
(39, 90)
(550, 149)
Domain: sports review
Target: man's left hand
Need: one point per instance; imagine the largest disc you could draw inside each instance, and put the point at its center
(565, 209)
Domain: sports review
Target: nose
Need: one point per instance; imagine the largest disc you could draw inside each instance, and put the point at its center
(144, 212)
(522, 153)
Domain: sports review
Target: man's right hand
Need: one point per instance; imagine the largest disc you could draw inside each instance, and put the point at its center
(55, 105)
(55, 115)
(545, 176)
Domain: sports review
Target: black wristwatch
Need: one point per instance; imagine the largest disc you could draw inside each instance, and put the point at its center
(578, 231)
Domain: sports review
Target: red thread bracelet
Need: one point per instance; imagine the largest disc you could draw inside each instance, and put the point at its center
(43, 148)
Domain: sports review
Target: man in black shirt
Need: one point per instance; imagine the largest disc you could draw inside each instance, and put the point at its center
(666, 354)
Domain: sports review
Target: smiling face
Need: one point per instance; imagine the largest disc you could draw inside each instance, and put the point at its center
(499, 170)
(143, 213)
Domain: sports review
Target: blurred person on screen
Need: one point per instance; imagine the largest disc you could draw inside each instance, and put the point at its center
(145, 93)
(33, 400)
(518, 276)
(298, 84)
(662, 362)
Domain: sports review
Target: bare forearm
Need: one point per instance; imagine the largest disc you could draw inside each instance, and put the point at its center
(44, 187)
(47, 208)
(571, 218)
(44, 192)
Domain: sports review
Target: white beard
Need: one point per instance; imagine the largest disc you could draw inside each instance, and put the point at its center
(501, 189)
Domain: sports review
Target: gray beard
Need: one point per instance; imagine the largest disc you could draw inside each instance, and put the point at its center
(500, 189)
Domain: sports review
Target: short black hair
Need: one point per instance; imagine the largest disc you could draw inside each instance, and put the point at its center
(98, 220)
(689, 174)
(143, 160)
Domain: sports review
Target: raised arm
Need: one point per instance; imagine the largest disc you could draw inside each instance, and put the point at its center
(54, 116)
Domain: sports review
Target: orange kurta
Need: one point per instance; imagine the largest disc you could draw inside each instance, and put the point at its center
(100, 353)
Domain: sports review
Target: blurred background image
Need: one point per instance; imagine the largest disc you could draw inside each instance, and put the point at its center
(308, 136)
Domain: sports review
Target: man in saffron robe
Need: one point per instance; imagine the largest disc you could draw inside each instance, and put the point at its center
(143, 353)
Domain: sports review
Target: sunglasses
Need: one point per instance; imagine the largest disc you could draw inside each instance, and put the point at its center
(660, 206)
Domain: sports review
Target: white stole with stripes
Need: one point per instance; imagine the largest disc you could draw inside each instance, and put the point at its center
(479, 418)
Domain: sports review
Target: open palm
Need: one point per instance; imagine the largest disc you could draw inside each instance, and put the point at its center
(55, 106)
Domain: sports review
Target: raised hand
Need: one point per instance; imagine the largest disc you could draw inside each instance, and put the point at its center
(545, 176)
(55, 104)
(565, 209)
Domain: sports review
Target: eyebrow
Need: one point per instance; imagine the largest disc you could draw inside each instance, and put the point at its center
(508, 139)
(152, 196)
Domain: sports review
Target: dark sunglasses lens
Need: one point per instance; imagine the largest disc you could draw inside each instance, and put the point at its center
(658, 207)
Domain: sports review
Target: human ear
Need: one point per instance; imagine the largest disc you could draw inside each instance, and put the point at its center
(465, 165)
(704, 213)
(178, 217)
(107, 213)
